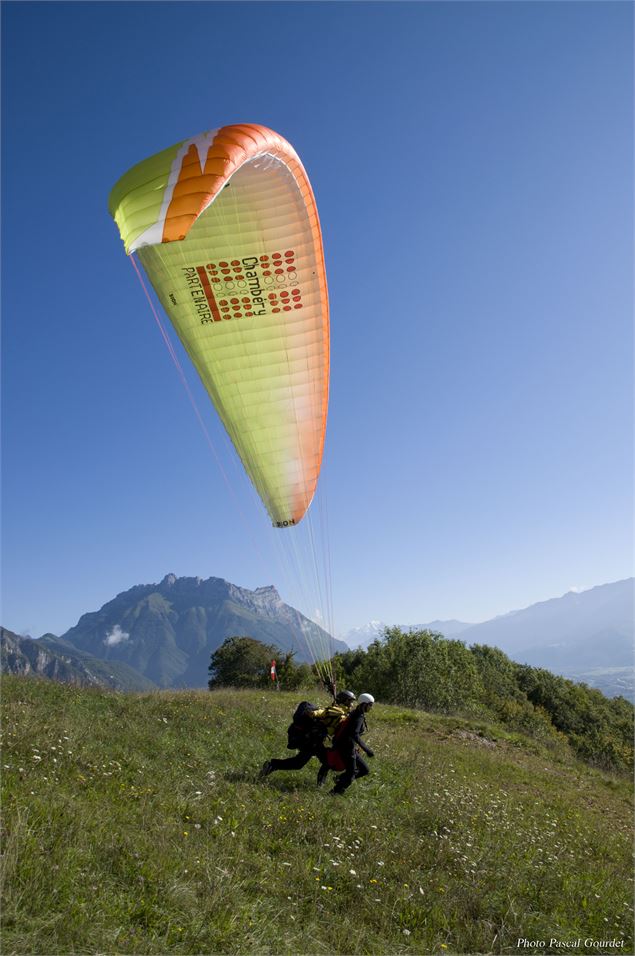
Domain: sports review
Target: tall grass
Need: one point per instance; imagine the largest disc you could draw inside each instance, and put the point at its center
(137, 824)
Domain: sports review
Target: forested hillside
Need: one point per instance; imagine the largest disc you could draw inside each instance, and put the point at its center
(423, 669)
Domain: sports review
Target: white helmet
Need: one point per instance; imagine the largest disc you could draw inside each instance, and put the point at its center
(365, 699)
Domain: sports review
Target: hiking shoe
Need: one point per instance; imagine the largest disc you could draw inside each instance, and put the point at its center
(323, 773)
(266, 770)
(336, 793)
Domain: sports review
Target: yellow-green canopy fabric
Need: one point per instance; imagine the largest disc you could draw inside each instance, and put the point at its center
(226, 227)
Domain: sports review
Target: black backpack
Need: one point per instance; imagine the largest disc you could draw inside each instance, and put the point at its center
(304, 730)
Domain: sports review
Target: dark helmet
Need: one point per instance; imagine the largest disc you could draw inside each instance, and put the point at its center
(345, 697)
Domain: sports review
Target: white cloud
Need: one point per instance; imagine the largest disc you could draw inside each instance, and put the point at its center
(116, 636)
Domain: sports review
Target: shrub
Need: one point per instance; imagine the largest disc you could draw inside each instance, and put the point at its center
(241, 662)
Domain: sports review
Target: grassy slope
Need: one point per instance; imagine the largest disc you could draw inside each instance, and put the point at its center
(137, 824)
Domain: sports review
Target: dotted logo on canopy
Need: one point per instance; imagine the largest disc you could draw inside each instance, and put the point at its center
(256, 285)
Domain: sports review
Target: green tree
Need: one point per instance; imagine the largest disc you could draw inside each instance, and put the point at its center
(242, 662)
(345, 667)
(292, 676)
(498, 674)
(421, 669)
(599, 729)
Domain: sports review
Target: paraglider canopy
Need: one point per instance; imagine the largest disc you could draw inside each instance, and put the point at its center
(225, 225)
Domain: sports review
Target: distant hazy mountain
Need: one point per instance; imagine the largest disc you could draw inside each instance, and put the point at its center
(53, 658)
(587, 635)
(164, 634)
(584, 629)
(168, 631)
(365, 635)
(450, 628)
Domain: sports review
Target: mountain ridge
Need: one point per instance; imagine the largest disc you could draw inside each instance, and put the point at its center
(168, 631)
(56, 659)
(163, 634)
(586, 635)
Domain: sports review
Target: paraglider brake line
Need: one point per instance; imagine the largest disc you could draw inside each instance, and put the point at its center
(197, 412)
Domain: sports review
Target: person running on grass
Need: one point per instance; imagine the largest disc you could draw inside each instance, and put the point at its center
(348, 741)
(325, 720)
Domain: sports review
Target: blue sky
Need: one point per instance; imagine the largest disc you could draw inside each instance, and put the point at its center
(473, 167)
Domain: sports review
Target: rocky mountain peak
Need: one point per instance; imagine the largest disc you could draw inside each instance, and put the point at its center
(269, 594)
(168, 631)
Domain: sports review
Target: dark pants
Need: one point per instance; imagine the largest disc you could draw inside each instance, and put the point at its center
(300, 760)
(355, 767)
